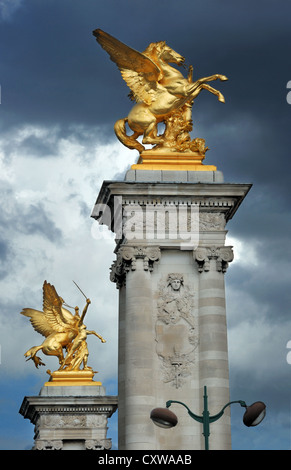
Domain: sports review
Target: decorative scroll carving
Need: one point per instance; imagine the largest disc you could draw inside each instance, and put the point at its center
(126, 261)
(90, 444)
(48, 445)
(101, 444)
(175, 330)
(223, 255)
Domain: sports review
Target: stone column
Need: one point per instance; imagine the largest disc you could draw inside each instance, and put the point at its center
(132, 272)
(172, 318)
(212, 263)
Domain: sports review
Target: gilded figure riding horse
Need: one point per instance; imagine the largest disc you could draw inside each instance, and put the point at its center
(162, 95)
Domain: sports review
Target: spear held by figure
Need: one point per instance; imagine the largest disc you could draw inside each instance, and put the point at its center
(88, 301)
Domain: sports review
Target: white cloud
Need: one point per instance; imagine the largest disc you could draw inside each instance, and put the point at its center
(8, 8)
(47, 204)
(244, 253)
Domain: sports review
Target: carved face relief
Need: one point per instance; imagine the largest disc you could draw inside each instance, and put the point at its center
(176, 335)
(176, 284)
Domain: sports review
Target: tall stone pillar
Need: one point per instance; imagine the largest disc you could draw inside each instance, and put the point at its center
(170, 265)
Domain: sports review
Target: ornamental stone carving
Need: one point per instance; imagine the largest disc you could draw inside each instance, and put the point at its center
(126, 261)
(222, 255)
(101, 444)
(210, 221)
(176, 334)
(48, 445)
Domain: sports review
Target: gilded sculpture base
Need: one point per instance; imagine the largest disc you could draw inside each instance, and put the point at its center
(184, 161)
(72, 378)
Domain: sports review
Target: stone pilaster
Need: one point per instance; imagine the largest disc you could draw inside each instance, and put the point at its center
(212, 263)
(132, 274)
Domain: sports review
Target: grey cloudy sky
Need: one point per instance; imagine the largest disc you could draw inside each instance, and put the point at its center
(60, 97)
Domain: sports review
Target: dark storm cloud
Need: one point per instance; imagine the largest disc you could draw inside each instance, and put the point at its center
(36, 221)
(27, 219)
(34, 145)
(58, 74)
(54, 71)
(269, 291)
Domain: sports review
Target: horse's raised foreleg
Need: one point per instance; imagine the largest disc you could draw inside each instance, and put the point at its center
(207, 87)
(200, 84)
(216, 76)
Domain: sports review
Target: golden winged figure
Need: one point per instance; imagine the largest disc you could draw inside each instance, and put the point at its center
(161, 92)
(62, 331)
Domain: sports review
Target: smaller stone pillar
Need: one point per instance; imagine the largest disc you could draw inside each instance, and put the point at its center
(70, 417)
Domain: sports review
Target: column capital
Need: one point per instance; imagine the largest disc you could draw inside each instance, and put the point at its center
(221, 254)
(126, 261)
(53, 444)
(100, 444)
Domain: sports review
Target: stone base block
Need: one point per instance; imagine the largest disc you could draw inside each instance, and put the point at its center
(170, 176)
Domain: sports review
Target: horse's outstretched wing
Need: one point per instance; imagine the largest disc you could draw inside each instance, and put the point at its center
(139, 72)
(38, 321)
(52, 319)
(59, 317)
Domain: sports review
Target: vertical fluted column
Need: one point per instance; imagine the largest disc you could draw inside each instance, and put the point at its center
(136, 392)
(213, 349)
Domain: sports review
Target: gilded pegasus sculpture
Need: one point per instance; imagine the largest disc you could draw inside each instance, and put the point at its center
(62, 331)
(162, 95)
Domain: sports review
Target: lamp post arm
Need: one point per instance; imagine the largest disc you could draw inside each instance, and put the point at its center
(214, 418)
(193, 415)
(206, 419)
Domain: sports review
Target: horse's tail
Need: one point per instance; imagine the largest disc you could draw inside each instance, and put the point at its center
(127, 140)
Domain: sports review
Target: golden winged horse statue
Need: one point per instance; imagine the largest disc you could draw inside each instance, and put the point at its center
(161, 92)
(62, 330)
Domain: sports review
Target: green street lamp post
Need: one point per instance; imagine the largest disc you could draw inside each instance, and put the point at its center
(165, 418)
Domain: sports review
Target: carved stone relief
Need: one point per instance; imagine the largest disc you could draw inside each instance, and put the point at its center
(211, 221)
(126, 261)
(176, 334)
(89, 444)
(48, 444)
(63, 420)
(101, 444)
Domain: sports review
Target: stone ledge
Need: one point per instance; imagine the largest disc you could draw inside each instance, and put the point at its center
(171, 176)
(65, 391)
